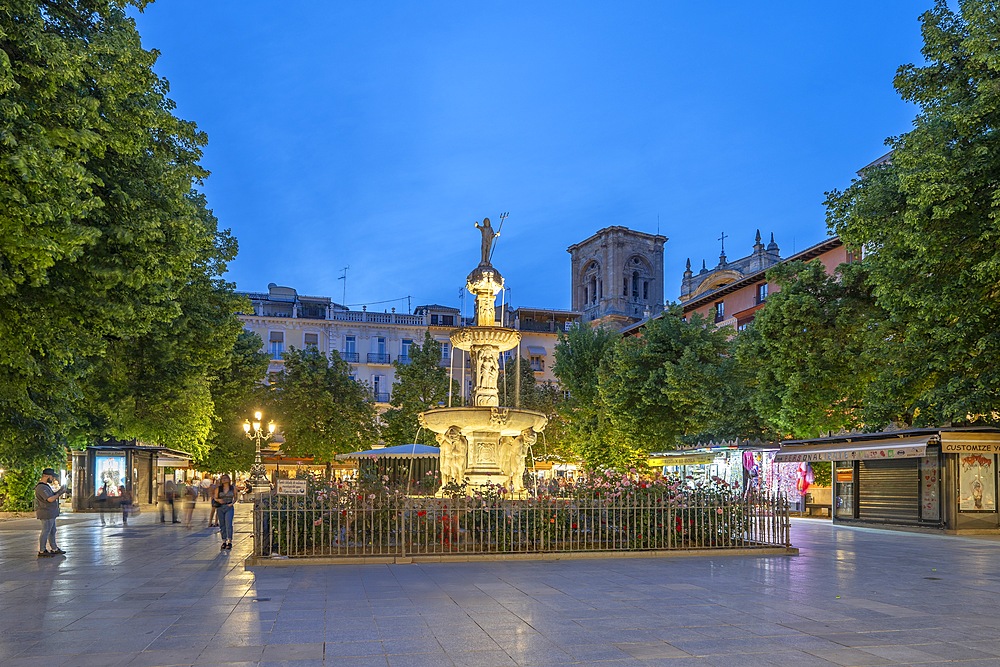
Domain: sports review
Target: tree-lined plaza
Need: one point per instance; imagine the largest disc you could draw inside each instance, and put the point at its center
(117, 322)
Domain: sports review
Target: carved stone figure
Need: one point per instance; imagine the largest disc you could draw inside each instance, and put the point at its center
(454, 454)
(511, 459)
(487, 373)
(486, 229)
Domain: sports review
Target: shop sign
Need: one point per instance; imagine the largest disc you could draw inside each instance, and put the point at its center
(684, 460)
(969, 447)
(851, 454)
(291, 487)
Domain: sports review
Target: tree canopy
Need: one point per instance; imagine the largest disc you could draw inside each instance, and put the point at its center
(588, 433)
(666, 383)
(808, 352)
(420, 385)
(927, 220)
(237, 392)
(320, 409)
(115, 315)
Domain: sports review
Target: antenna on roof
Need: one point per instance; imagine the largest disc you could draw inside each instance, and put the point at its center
(344, 278)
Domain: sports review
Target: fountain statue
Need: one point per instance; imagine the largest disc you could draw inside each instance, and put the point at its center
(484, 442)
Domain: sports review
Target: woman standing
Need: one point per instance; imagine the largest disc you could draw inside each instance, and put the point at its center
(225, 496)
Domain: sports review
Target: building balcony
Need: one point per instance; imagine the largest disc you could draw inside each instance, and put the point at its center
(378, 358)
(381, 396)
(351, 357)
(404, 359)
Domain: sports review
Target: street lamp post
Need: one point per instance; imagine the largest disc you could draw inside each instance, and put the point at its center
(258, 474)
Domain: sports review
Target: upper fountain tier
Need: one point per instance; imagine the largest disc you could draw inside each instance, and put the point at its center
(473, 338)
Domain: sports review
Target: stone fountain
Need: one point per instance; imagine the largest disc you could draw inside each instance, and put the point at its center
(484, 442)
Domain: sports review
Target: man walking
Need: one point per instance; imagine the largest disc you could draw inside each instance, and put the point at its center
(46, 511)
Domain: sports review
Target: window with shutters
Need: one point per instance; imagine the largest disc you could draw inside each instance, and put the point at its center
(276, 344)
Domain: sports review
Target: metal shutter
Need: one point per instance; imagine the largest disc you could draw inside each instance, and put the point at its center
(889, 490)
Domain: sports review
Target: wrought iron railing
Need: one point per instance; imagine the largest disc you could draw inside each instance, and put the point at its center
(406, 526)
(378, 358)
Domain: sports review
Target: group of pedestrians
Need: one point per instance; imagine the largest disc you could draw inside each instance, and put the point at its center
(222, 495)
(104, 500)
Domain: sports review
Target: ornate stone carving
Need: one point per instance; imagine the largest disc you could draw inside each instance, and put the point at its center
(454, 455)
(499, 417)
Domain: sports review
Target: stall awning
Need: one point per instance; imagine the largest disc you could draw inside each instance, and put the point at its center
(896, 448)
(537, 350)
(172, 458)
(413, 451)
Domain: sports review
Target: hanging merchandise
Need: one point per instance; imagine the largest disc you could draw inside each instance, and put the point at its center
(805, 478)
(751, 473)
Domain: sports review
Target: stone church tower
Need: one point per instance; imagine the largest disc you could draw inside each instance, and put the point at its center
(618, 276)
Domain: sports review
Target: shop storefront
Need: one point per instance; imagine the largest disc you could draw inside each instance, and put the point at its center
(749, 465)
(944, 478)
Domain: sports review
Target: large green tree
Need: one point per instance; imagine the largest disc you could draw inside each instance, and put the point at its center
(665, 383)
(237, 391)
(808, 352)
(928, 222)
(109, 259)
(579, 356)
(420, 385)
(320, 409)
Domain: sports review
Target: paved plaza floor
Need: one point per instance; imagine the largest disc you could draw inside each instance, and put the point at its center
(162, 594)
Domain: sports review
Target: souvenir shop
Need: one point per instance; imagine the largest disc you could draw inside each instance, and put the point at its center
(936, 478)
(748, 465)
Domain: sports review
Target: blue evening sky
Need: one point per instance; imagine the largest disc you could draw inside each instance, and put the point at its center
(374, 134)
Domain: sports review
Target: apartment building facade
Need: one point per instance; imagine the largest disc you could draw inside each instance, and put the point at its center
(371, 341)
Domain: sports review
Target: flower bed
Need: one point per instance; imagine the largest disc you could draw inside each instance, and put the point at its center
(607, 512)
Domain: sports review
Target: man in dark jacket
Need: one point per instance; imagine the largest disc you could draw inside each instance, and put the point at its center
(46, 511)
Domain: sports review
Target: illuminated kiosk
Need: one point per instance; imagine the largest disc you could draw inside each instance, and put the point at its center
(486, 442)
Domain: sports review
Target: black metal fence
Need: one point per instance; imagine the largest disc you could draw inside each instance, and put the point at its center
(397, 525)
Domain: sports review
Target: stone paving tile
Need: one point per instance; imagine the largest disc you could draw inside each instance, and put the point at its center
(365, 661)
(278, 652)
(652, 650)
(231, 654)
(854, 658)
(164, 658)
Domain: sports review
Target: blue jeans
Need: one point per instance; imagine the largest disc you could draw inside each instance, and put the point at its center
(225, 514)
(48, 535)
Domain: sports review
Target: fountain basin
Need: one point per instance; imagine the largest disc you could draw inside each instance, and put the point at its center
(498, 337)
(502, 421)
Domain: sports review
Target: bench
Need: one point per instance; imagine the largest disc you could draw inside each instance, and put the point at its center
(822, 509)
